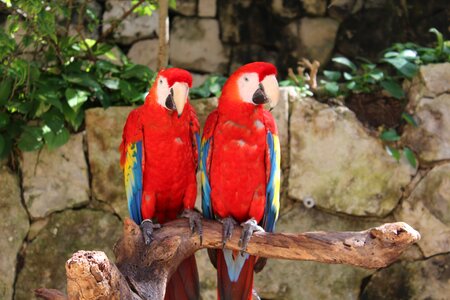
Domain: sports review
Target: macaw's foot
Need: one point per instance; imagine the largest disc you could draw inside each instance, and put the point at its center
(195, 222)
(255, 295)
(227, 229)
(147, 227)
(250, 226)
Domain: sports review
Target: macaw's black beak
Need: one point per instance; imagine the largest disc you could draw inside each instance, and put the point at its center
(170, 104)
(259, 97)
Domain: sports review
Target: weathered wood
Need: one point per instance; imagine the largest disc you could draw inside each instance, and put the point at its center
(144, 270)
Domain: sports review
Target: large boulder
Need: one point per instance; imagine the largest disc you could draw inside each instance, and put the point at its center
(195, 45)
(282, 279)
(429, 103)
(66, 233)
(54, 180)
(132, 28)
(145, 52)
(104, 135)
(14, 228)
(428, 279)
(427, 209)
(207, 8)
(338, 163)
(186, 7)
(315, 7)
(315, 37)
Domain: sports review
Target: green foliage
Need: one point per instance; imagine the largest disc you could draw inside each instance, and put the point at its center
(210, 88)
(397, 63)
(390, 137)
(298, 81)
(49, 78)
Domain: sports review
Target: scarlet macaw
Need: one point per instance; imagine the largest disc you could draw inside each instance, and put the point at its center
(159, 155)
(240, 168)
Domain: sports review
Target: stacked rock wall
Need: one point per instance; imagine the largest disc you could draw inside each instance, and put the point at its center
(71, 198)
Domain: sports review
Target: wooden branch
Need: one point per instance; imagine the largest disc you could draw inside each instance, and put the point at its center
(144, 270)
(163, 34)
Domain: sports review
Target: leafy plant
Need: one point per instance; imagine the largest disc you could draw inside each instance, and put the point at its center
(210, 88)
(48, 78)
(390, 137)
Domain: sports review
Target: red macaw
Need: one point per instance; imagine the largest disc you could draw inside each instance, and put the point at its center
(240, 168)
(159, 155)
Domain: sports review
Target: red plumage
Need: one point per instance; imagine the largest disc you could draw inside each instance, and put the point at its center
(237, 167)
(169, 167)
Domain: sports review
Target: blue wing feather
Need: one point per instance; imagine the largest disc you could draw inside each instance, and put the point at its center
(206, 187)
(273, 184)
(133, 180)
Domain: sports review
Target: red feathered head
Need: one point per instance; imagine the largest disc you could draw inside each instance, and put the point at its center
(171, 89)
(254, 83)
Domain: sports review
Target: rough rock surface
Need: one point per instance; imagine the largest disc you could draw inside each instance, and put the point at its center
(286, 9)
(281, 115)
(427, 210)
(315, 7)
(65, 233)
(436, 78)
(134, 27)
(187, 7)
(195, 45)
(55, 180)
(14, 227)
(145, 52)
(431, 139)
(104, 135)
(335, 161)
(203, 107)
(318, 37)
(428, 279)
(207, 8)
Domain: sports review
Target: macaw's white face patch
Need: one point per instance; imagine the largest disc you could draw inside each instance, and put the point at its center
(248, 83)
(162, 91)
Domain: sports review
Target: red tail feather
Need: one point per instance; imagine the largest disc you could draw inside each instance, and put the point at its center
(240, 290)
(184, 283)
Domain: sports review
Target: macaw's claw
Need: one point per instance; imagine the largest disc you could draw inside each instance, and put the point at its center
(195, 222)
(250, 226)
(147, 227)
(228, 226)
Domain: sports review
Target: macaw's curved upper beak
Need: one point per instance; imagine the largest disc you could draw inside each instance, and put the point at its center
(180, 91)
(271, 89)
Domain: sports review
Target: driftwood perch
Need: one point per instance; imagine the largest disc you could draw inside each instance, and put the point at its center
(141, 271)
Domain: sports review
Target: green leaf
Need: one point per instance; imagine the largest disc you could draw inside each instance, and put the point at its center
(393, 88)
(410, 157)
(4, 119)
(332, 88)
(54, 120)
(55, 139)
(393, 152)
(129, 92)
(390, 135)
(348, 76)
(376, 74)
(31, 139)
(112, 83)
(440, 41)
(86, 80)
(140, 72)
(46, 24)
(332, 75)
(5, 90)
(402, 65)
(76, 98)
(351, 85)
(409, 119)
(345, 61)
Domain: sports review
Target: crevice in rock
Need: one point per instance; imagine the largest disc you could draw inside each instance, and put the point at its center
(88, 166)
(364, 282)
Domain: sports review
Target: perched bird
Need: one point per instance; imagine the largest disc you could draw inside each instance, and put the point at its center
(240, 168)
(159, 153)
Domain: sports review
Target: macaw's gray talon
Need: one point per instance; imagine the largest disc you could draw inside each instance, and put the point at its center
(227, 229)
(195, 222)
(249, 227)
(147, 227)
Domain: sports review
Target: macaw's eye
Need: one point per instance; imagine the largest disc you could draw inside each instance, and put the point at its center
(160, 81)
(246, 78)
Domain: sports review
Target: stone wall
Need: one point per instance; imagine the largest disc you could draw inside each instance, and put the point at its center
(339, 177)
(217, 36)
